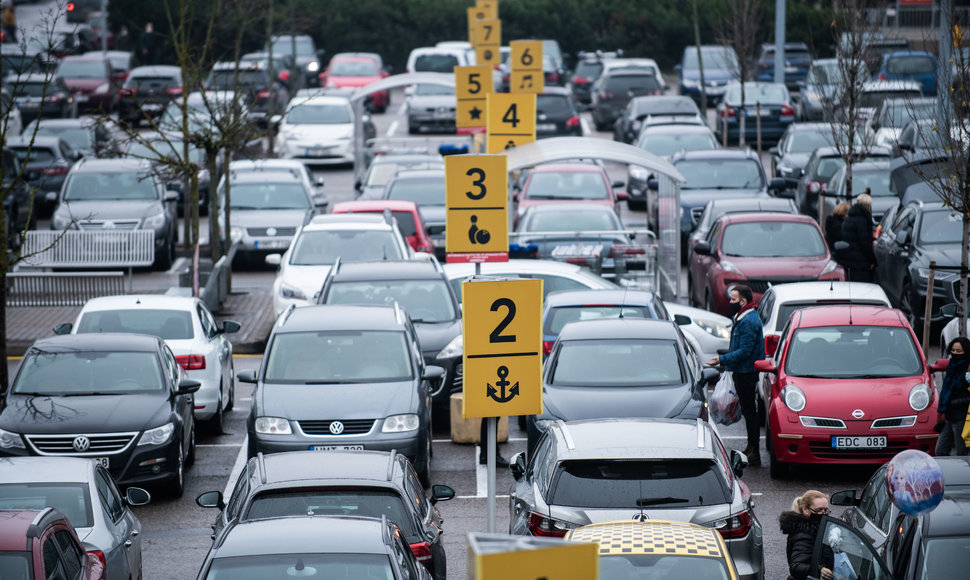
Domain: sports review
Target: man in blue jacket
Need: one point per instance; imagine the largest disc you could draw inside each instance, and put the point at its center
(747, 345)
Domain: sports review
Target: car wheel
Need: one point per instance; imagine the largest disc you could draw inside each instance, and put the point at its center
(424, 462)
(164, 260)
(636, 205)
(232, 388)
(776, 469)
(217, 421)
(178, 487)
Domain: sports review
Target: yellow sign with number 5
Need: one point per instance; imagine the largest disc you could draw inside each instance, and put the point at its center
(472, 85)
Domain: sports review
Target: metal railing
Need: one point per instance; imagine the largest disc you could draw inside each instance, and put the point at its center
(89, 249)
(61, 288)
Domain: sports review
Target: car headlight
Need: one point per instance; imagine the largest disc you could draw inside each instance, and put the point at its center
(924, 274)
(158, 435)
(401, 423)
(102, 89)
(10, 440)
(155, 221)
(689, 83)
(730, 267)
(794, 398)
(831, 266)
(273, 426)
(637, 172)
(713, 327)
(291, 292)
(313, 66)
(236, 233)
(919, 397)
(454, 348)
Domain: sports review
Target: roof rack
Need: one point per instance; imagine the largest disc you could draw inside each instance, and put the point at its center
(399, 313)
(261, 460)
(570, 444)
(391, 461)
(385, 530)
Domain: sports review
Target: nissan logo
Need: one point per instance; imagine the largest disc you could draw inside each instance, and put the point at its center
(336, 427)
(270, 231)
(858, 414)
(81, 444)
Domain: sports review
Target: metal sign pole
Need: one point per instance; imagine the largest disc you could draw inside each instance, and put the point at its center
(492, 444)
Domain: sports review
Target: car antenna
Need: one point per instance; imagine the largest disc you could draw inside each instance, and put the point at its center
(849, 294)
(623, 300)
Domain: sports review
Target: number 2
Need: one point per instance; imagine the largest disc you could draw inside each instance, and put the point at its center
(496, 335)
(479, 183)
(512, 116)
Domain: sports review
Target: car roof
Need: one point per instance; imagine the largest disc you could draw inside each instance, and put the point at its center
(324, 100)
(268, 176)
(549, 267)
(98, 341)
(619, 329)
(956, 470)
(598, 297)
(304, 466)
(951, 517)
(84, 122)
(155, 70)
(651, 537)
(317, 317)
(387, 270)
(344, 221)
(844, 315)
(304, 535)
(738, 204)
(569, 206)
(832, 290)
(633, 438)
(122, 301)
(37, 469)
(714, 154)
(764, 216)
(558, 91)
(406, 174)
(567, 168)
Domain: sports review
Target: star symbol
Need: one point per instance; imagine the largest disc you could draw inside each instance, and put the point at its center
(475, 112)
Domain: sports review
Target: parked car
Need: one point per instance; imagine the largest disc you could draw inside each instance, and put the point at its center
(706, 216)
(894, 114)
(200, 345)
(303, 51)
(780, 301)
(589, 67)
(163, 152)
(639, 109)
(38, 95)
(405, 213)
(86, 135)
(720, 65)
(932, 544)
(265, 95)
(770, 101)
(847, 385)
(798, 60)
(556, 115)
(554, 275)
(800, 140)
(121, 62)
(384, 167)
(757, 250)
(358, 69)
(664, 141)
(565, 306)
(556, 183)
(147, 91)
(44, 164)
(41, 544)
(614, 89)
(437, 59)
(819, 169)
(312, 183)
(822, 91)
(425, 187)
(83, 491)
(88, 76)
(283, 68)
(319, 130)
(432, 108)
(910, 65)
(120, 399)
(870, 177)
(873, 93)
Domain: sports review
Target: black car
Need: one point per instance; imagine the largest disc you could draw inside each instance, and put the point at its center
(612, 91)
(589, 67)
(422, 289)
(44, 164)
(79, 10)
(85, 135)
(789, 156)
(556, 115)
(338, 378)
(627, 127)
(41, 95)
(147, 91)
(766, 107)
(630, 367)
(917, 234)
(120, 399)
(933, 545)
(330, 483)
(665, 141)
(266, 95)
(819, 169)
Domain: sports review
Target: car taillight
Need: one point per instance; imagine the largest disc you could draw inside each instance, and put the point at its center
(540, 525)
(736, 526)
(547, 347)
(573, 121)
(126, 93)
(70, 8)
(191, 362)
(814, 187)
(883, 77)
(580, 81)
(787, 111)
(552, 77)
(56, 170)
(727, 111)
(99, 555)
(263, 94)
(421, 551)
(174, 91)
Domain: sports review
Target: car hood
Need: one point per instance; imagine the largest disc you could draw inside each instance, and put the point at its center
(839, 398)
(84, 414)
(351, 81)
(809, 267)
(268, 217)
(345, 401)
(573, 403)
(110, 209)
(942, 254)
(435, 336)
(690, 198)
(318, 133)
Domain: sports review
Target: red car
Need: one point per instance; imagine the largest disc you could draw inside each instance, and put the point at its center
(405, 212)
(89, 77)
(757, 249)
(847, 385)
(42, 544)
(569, 182)
(357, 69)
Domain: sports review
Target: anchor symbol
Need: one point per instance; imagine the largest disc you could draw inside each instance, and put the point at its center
(503, 371)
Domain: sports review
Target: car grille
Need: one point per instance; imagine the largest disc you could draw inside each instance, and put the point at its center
(823, 450)
(351, 427)
(100, 444)
(889, 422)
(108, 224)
(279, 231)
(822, 422)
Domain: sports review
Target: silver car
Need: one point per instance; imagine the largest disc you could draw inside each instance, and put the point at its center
(585, 472)
(84, 492)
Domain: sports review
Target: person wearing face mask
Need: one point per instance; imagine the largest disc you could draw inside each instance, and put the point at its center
(747, 345)
(801, 525)
(954, 398)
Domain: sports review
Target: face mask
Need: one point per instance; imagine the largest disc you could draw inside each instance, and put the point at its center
(735, 307)
(815, 518)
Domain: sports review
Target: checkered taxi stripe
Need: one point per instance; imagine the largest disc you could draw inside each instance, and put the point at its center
(650, 537)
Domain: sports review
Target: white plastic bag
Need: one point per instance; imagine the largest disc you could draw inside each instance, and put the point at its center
(725, 407)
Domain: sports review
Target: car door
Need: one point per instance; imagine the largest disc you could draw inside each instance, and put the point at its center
(183, 405)
(873, 514)
(845, 552)
(123, 556)
(522, 499)
(704, 268)
(217, 348)
(892, 251)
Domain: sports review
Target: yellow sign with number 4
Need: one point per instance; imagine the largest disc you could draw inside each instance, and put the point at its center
(511, 120)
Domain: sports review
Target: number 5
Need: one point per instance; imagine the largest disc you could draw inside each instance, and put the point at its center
(473, 83)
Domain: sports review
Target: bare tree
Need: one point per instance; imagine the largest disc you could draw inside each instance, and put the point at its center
(739, 30)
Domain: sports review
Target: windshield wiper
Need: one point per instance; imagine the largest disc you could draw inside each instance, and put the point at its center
(648, 501)
(89, 393)
(324, 382)
(812, 376)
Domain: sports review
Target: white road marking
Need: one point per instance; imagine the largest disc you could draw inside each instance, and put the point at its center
(403, 109)
(449, 440)
(585, 126)
(237, 468)
(499, 496)
(392, 129)
(744, 437)
(178, 265)
(481, 475)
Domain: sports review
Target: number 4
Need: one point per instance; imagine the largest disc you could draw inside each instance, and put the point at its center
(511, 116)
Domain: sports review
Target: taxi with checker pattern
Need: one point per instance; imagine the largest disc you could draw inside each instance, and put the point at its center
(658, 549)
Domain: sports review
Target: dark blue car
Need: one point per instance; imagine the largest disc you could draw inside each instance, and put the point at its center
(910, 65)
(798, 59)
(720, 65)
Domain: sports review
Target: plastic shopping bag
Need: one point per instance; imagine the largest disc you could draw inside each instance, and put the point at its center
(725, 407)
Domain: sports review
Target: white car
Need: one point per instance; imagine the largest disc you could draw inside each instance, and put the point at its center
(317, 130)
(318, 244)
(711, 331)
(185, 324)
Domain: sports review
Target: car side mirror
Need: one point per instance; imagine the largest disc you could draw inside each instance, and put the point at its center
(517, 465)
(771, 344)
(63, 328)
(841, 246)
(622, 195)
(738, 462)
(618, 184)
(273, 259)
(230, 327)
(318, 182)
(441, 493)
(320, 200)
(948, 310)
(188, 386)
(653, 184)
(773, 150)
(764, 365)
(682, 319)
(777, 184)
(844, 497)
(211, 499)
(135, 496)
(709, 376)
(247, 376)
(358, 185)
(902, 238)
(702, 248)
(170, 196)
(433, 373)
(940, 365)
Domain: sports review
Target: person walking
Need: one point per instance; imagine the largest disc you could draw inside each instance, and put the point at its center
(859, 259)
(123, 39)
(954, 398)
(747, 345)
(833, 225)
(147, 45)
(9, 22)
(800, 525)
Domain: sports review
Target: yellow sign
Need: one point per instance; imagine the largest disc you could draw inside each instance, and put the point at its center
(472, 84)
(502, 337)
(476, 203)
(525, 60)
(563, 562)
(488, 41)
(472, 21)
(487, 8)
(511, 120)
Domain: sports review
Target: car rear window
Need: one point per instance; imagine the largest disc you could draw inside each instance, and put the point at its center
(265, 566)
(368, 503)
(617, 363)
(150, 83)
(71, 499)
(641, 483)
(589, 70)
(788, 308)
(420, 191)
(166, 324)
(424, 300)
(911, 65)
(859, 350)
(227, 79)
(443, 63)
(37, 154)
(764, 94)
(776, 239)
(662, 566)
(665, 145)
(552, 105)
(82, 69)
(638, 84)
(562, 315)
(872, 99)
(26, 89)
(354, 68)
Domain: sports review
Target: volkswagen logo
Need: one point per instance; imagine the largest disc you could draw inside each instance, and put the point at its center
(270, 231)
(109, 225)
(858, 414)
(640, 517)
(81, 444)
(336, 427)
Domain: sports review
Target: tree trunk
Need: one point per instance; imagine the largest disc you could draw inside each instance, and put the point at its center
(227, 159)
(215, 237)
(4, 267)
(964, 261)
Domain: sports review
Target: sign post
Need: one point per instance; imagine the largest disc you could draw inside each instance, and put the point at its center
(488, 42)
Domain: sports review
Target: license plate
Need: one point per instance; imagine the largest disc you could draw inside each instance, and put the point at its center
(546, 127)
(151, 107)
(336, 448)
(754, 112)
(861, 442)
(271, 244)
(102, 461)
(317, 151)
(81, 98)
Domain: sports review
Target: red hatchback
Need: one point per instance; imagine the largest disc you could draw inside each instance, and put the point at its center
(758, 250)
(357, 69)
(42, 544)
(847, 385)
(570, 182)
(405, 212)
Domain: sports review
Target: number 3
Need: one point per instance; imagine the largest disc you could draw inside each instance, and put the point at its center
(479, 183)
(496, 335)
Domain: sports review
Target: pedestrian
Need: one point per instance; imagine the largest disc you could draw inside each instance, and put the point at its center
(954, 398)
(833, 225)
(147, 45)
(859, 259)
(800, 525)
(123, 39)
(746, 346)
(9, 22)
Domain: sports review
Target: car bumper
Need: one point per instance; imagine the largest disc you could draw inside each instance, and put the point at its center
(438, 124)
(405, 443)
(316, 153)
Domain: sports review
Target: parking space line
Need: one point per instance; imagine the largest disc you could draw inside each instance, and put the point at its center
(402, 109)
(237, 468)
(216, 444)
(392, 129)
(481, 474)
(499, 496)
(723, 437)
(449, 440)
(178, 265)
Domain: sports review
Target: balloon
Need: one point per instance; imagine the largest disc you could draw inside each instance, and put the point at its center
(915, 482)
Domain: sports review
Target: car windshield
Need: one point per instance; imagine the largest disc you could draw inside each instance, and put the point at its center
(566, 185)
(774, 239)
(721, 174)
(336, 357)
(128, 186)
(442, 63)
(380, 173)
(165, 150)
(284, 46)
(76, 138)
(649, 566)
(165, 324)
(88, 373)
(227, 80)
(37, 154)
(808, 141)
(640, 483)
(266, 566)
(429, 89)
(556, 220)
(788, 308)
(319, 115)
(636, 84)
(263, 196)
(354, 68)
(857, 351)
(874, 98)
(911, 65)
(873, 181)
(715, 58)
(562, 315)
(556, 105)
(337, 501)
(424, 300)
(941, 227)
(897, 114)
(82, 69)
(666, 144)
(757, 93)
(944, 557)
(429, 191)
(71, 499)
(315, 248)
(617, 363)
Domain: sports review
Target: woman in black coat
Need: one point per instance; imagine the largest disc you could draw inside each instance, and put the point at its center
(954, 398)
(859, 259)
(833, 225)
(801, 527)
